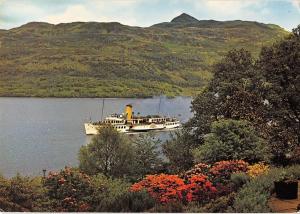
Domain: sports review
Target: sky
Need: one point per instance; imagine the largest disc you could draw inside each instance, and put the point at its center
(144, 13)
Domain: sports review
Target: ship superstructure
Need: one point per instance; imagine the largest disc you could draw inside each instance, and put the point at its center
(129, 123)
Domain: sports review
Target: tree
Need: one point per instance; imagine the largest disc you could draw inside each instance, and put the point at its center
(281, 65)
(236, 91)
(178, 151)
(147, 158)
(109, 153)
(265, 92)
(232, 140)
(115, 155)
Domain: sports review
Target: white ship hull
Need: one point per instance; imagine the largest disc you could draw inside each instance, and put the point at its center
(147, 127)
(91, 129)
(172, 125)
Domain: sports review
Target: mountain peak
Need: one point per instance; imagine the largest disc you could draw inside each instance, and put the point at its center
(184, 18)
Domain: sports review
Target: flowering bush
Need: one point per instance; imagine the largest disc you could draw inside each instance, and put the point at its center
(164, 188)
(170, 188)
(199, 189)
(257, 169)
(69, 190)
(222, 170)
(198, 169)
(219, 171)
(200, 184)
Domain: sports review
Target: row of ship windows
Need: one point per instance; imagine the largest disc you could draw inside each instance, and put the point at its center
(113, 121)
(121, 127)
(118, 127)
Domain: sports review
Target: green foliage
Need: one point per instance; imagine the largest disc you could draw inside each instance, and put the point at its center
(137, 202)
(281, 64)
(264, 92)
(219, 205)
(109, 153)
(234, 92)
(253, 197)
(172, 207)
(107, 191)
(178, 150)
(232, 140)
(239, 179)
(115, 155)
(113, 60)
(147, 158)
(112, 195)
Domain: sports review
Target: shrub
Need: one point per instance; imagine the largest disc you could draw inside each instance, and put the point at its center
(198, 169)
(128, 202)
(219, 171)
(170, 188)
(200, 189)
(69, 190)
(239, 179)
(219, 205)
(257, 169)
(107, 193)
(20, 194)
(254, 195)
(164, 188)
(171, 207)
(219, 174)
(222, 170)
(138, 202)
(232, 140)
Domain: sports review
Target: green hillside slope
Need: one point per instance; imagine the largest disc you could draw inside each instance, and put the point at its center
(113, 60)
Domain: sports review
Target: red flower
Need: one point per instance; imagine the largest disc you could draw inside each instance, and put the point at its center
(61, 180)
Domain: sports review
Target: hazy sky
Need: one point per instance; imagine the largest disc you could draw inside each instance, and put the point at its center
(14, 13)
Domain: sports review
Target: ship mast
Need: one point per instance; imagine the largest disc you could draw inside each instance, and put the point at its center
(102, 108)
(159, 104)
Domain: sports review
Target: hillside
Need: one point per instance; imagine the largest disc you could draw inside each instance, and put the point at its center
(113, 60)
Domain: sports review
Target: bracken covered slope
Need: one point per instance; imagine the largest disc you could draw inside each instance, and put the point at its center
(113, 60)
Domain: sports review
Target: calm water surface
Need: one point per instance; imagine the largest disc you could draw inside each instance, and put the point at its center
(48, 132)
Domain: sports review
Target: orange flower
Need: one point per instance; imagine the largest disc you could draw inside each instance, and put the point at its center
(162, 187)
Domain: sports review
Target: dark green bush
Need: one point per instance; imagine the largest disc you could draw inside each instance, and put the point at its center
(135, 202)
(219, 205)
(113, 195)
(239, 179)
(127, 202)
(171, 207)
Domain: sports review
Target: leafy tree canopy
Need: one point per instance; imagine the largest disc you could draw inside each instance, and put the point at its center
(264, 91)
(232, 140)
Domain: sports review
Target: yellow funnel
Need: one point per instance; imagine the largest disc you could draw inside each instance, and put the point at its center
(128, 112)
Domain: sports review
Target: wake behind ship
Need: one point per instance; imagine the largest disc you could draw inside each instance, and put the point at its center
(129, 123)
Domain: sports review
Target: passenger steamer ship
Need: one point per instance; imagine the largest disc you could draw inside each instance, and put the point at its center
(128, 123)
